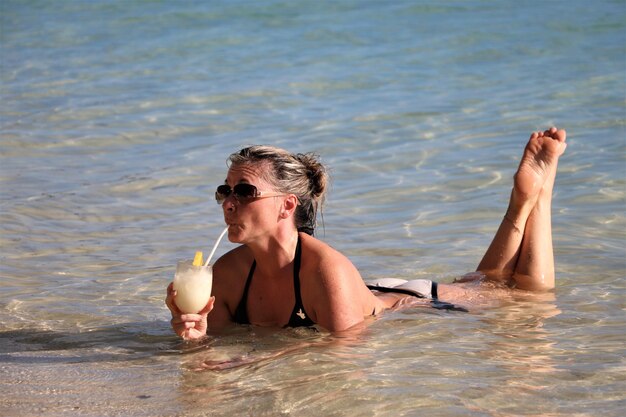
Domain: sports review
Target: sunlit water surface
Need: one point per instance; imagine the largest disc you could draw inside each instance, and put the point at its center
(116, 120)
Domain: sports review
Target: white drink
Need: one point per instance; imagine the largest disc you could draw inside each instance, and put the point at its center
(193, 286)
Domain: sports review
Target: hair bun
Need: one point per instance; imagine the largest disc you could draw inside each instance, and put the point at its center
(316, 172)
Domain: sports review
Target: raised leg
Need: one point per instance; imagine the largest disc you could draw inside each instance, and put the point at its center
(521, 250)
(535, 267)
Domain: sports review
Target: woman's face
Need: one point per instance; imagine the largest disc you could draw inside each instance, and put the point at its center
(248, 220)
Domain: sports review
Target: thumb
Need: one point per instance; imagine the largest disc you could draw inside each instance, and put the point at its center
(209, 306)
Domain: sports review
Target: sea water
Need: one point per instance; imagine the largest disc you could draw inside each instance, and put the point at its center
(116, 121)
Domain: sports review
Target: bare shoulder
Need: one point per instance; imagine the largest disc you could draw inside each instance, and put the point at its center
(233, 261)
(325, 262)
(332, 287)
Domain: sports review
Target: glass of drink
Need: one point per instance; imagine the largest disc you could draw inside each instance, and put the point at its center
(192, 284)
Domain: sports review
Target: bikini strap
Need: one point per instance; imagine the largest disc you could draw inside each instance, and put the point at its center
(298, 317)
(241, 313)
(296, 272)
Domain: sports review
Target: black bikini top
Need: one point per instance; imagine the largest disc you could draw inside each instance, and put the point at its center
(298, 317)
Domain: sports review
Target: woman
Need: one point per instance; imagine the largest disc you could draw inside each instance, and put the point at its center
(282, 276)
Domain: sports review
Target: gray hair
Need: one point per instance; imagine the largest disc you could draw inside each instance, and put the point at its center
(299, 174)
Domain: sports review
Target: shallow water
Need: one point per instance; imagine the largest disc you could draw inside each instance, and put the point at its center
(116, 120)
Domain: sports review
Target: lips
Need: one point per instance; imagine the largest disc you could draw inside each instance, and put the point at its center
(231, 224)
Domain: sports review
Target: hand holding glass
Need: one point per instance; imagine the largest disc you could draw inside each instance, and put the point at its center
(193, 286)
(193, 282)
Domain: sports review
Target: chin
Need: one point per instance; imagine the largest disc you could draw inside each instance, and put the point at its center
(235, 234)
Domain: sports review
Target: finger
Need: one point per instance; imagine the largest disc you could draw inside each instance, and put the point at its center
(209, 306)
(177, 321)
(173, 308)
(169, 300)
(191, 317)
(179, 327)
(193, 334)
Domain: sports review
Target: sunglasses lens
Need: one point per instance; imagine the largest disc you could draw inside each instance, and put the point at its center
(245, 191)
(223, 191)
(242, 192)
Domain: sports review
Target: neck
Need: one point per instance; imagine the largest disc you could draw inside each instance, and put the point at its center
(276, 252)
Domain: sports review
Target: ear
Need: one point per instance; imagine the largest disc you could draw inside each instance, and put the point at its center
(289, 206)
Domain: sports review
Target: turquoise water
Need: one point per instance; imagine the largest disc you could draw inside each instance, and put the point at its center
(116, 120)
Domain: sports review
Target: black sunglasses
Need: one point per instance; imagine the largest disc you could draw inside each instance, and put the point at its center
(243, 193)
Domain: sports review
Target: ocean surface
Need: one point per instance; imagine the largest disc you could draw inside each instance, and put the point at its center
(116, 119)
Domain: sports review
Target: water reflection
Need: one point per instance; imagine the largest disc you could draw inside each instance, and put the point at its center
(521, 350)
(273, 369)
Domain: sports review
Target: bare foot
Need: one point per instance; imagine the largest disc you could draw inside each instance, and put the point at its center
(548, 185)
(537, 168)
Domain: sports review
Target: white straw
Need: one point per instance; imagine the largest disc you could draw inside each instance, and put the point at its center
(215, 246)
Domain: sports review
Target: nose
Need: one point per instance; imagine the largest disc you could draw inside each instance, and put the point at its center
(229, 203)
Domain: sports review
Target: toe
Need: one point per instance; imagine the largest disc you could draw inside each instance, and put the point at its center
(560, 135)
